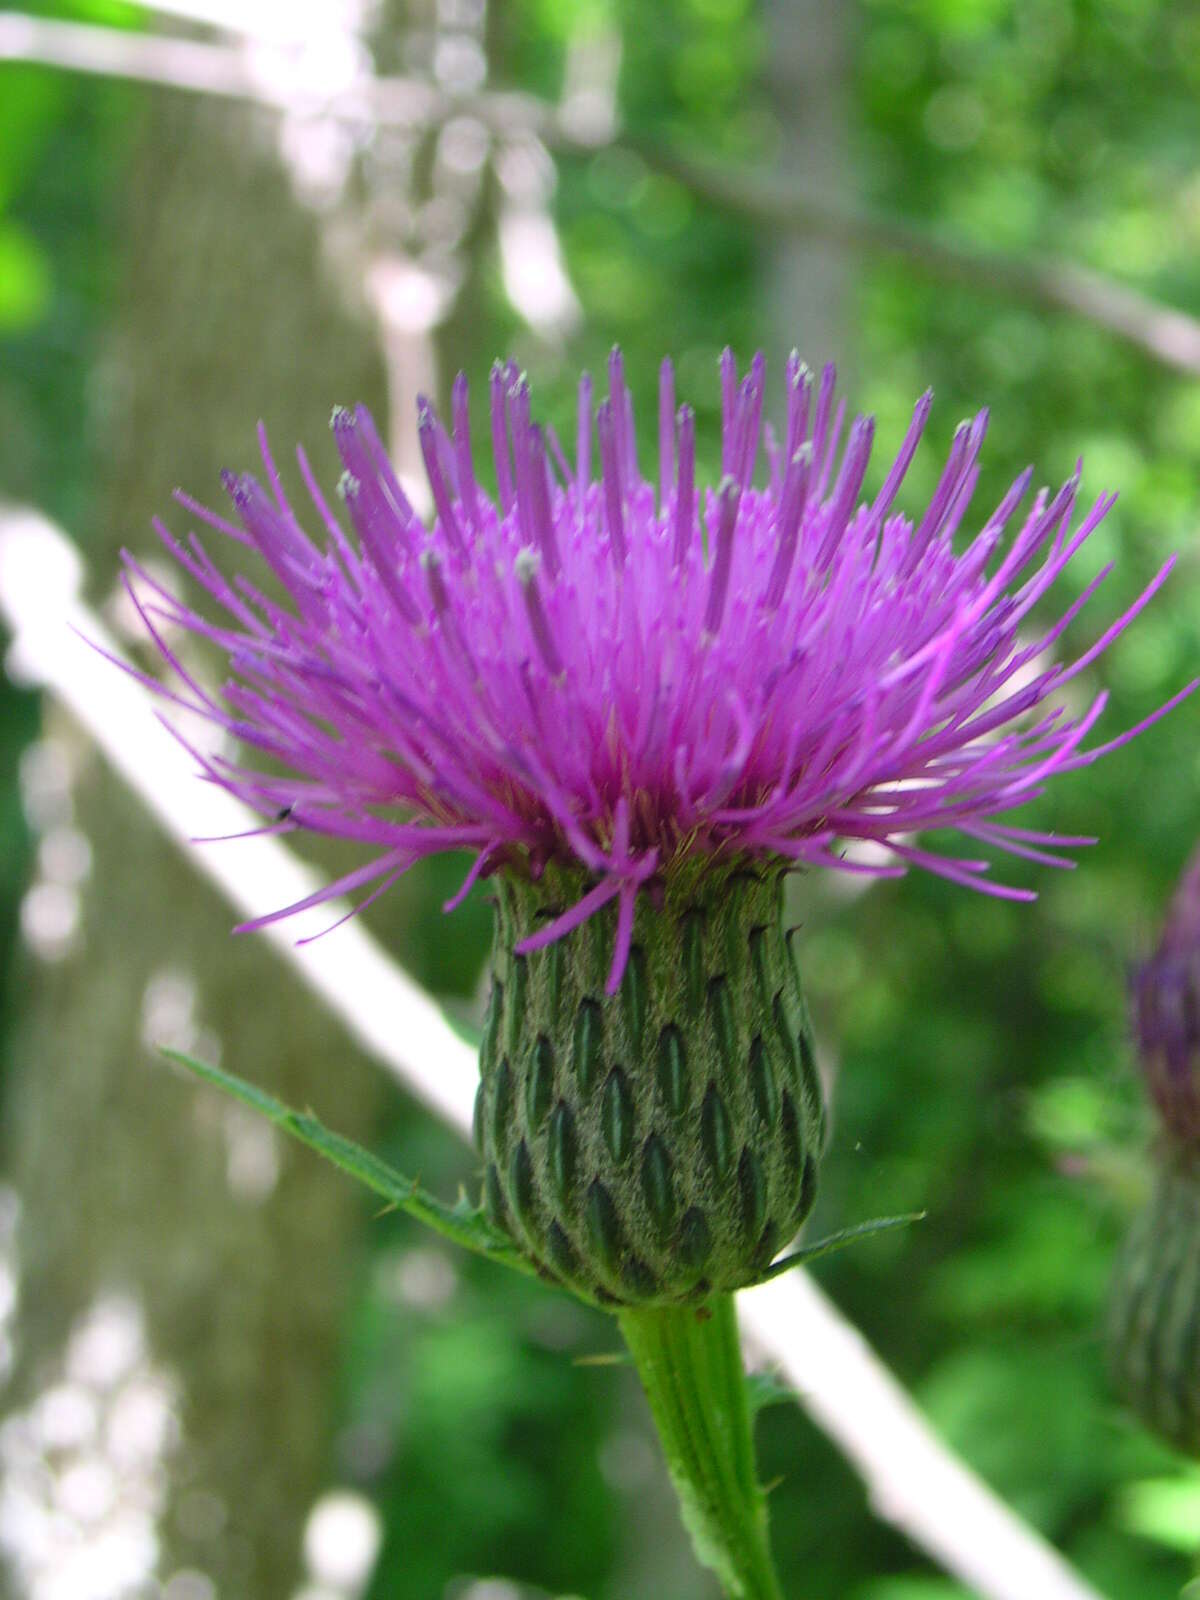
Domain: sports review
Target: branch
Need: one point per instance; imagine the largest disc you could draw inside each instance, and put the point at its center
(225, 71)
(914, 1480)
(1170, 336)
(40, 578)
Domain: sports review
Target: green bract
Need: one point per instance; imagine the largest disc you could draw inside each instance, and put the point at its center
(660, 1144)
(1154, 1317)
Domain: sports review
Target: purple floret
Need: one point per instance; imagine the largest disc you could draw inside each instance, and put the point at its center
(626, 675)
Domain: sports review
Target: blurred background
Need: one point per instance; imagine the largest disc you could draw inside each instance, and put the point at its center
(223, 1373)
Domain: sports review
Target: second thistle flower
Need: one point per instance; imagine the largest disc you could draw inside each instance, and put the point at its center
(1154, 1314)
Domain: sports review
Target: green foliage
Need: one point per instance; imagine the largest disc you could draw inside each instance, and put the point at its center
(463, 1224)
(24, 279)
(911, 1589)
(1166, 1510)
(60, 146)
(467, 1421)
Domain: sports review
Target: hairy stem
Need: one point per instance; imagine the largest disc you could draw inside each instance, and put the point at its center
(690, 1363)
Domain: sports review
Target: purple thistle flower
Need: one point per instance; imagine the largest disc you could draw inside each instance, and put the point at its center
(1154, 1306)
(1165, 996)
(628, 675)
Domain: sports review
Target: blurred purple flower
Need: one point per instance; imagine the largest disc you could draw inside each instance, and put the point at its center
(626, 675)
(1166, 1013)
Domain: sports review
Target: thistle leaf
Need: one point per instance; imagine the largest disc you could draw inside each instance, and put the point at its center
(837, 1241)
(765, 1389)
(462, 1223)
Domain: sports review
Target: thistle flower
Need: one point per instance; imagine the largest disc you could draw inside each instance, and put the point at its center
(1165, 1002)
(1155, 1303)
(638, 704)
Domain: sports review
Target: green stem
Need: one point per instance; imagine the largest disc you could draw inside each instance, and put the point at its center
(690, 1364)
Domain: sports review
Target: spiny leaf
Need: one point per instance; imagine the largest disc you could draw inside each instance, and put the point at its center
(765, 1389)
(837, 1241)
(462, 1223)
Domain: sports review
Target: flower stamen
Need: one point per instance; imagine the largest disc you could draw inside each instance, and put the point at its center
(729, 499)
(526, 568)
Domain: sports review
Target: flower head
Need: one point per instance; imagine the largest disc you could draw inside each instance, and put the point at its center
(625, 674)
(1165, 995)
(1155, 1298)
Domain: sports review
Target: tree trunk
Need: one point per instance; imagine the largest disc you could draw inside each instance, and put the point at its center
(806, 77)
(145, 1200)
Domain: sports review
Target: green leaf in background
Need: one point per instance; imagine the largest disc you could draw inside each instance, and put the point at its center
(25, 280)
(109, 13)
(464, 1225)
(1165, 1510)
(28, 108)
(911, 1589)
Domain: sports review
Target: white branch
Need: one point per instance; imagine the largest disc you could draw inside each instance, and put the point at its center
(111, 52)
(236, 71)
(389, 1015)
(915, 1481)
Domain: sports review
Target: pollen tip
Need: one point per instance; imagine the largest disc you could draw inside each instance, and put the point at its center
(527, 564)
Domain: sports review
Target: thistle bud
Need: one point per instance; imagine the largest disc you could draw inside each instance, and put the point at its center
(1166, 1016)
(660, 1143)
(1154, 1314)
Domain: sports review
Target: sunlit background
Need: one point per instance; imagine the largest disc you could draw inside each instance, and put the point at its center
(222, 1373)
